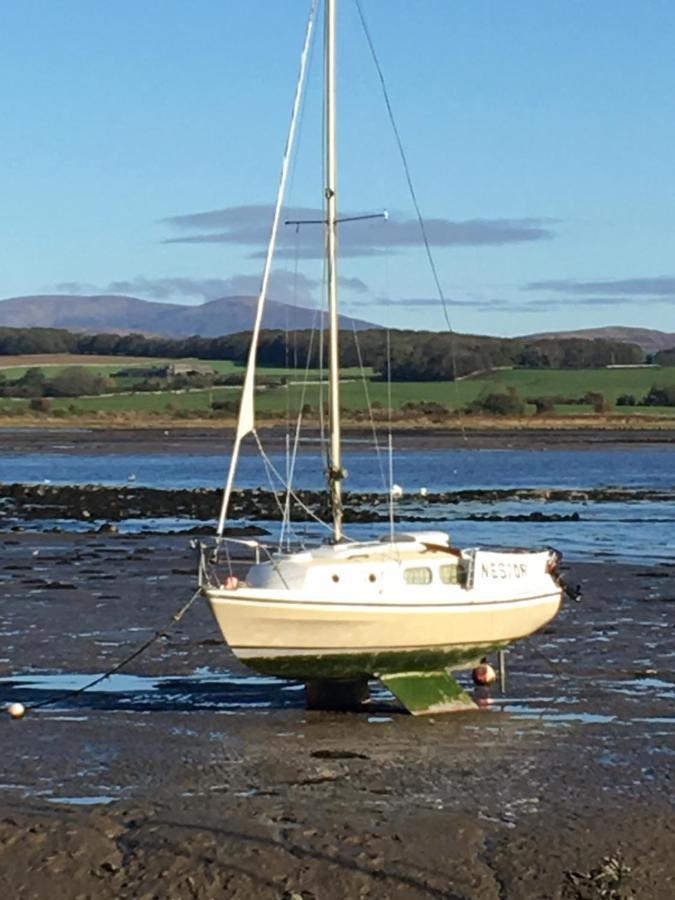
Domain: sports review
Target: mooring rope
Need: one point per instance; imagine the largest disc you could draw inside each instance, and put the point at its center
(120, 665)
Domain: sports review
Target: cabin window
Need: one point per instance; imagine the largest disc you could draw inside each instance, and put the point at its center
(452, 574)
(417, 575)
(449, 574)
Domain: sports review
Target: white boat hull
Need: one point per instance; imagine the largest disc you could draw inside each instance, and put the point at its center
(306, 633)
(319, 640)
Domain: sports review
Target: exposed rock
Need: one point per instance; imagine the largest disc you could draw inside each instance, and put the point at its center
(112, 504)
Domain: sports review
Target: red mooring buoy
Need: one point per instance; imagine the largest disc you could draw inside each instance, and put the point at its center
(484, 673)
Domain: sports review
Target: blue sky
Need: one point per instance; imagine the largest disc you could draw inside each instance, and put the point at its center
(540, 135)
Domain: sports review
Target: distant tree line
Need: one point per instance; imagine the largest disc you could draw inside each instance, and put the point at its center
(74, 381)
(658, 395)
(82, 381)
(665, 357)
(413, 355)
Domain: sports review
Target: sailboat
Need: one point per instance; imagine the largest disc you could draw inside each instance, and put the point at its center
(408, 608)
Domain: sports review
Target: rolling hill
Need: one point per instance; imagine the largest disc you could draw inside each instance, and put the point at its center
(121, 314)
(650, 339)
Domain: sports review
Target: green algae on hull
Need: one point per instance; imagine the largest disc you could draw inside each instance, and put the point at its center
(376, 663)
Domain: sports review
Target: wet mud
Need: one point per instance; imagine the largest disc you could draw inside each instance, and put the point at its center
(184, 776)
(492, 434)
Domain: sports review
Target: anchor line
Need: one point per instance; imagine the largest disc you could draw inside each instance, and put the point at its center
(176, 617)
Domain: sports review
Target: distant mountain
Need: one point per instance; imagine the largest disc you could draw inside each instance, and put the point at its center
(649, 339)
(122, 315)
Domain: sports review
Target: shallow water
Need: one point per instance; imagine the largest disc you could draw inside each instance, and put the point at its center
(574, 700)
(635, 530)
(99, 800)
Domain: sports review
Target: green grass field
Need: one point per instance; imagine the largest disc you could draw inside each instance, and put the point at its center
(221, 366)
(567, 383)
(576, 382)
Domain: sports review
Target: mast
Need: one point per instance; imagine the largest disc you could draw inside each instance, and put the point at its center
(335, 471)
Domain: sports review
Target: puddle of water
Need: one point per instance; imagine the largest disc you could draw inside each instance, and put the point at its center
(200, 689)
(229, 693)
(69, 718)
(656, 720)
(127, 684)
(549, 715)
(637, 687)
(103, 799)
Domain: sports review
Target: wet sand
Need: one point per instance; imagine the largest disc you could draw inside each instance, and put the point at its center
(217, 439)
(192, 780)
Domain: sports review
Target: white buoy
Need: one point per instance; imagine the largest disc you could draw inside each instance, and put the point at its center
(16, 710)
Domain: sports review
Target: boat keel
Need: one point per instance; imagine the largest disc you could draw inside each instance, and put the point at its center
(336, 694)
(426, 693)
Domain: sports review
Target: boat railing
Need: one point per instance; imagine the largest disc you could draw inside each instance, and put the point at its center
(213, 558)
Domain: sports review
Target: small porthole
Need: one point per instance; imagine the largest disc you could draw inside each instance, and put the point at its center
(335, 578)
(372, 577)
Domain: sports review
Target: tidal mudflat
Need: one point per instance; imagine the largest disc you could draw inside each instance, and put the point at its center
(184, 776)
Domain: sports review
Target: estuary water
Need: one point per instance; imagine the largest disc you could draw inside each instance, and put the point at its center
(435, 470)
(630, 530)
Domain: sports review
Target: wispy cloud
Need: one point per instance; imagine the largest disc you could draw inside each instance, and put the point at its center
(353, 284)
(249, 226)
(285, 287)
(74, 287)
(555, 302)
(660, 285)
(403, 303)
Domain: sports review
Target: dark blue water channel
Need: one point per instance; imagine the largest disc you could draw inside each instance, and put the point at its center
(436, 470)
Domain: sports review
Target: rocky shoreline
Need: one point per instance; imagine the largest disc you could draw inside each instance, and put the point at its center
(114, 504)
